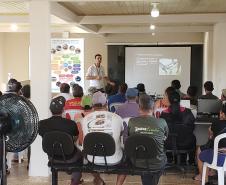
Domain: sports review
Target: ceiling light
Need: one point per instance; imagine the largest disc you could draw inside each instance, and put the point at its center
(14, 27)
(155, 10)
(152, 27)
(153, 33)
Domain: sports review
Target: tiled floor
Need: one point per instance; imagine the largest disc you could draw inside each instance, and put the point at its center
(19, 176)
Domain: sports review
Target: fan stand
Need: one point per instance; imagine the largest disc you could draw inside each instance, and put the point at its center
(3, 179)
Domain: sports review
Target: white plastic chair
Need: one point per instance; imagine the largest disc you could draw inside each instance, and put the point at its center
(115, 105)
(220, 170)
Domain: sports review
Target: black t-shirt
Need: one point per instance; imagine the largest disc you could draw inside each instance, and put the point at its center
(218, 128)
(57, 123)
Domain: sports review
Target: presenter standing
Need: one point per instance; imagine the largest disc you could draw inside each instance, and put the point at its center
(96, 74)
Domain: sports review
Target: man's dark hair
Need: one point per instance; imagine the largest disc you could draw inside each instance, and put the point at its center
(192, 91)
(57, 105)
(146, 103)
(141, 87)
(98, 55)
(15, 87)
(176, 84)
(26, 91)
(169, 90)
(77, 91)
(122, 88)
(64, 88)
(0, 93)
(208, 86)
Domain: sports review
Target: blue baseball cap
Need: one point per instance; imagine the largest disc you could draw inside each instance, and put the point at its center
(131, 92)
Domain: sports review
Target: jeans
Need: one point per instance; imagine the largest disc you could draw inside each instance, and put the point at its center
(151, 179)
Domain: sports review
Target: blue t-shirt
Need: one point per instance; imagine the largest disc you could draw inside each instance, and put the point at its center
(117, 98)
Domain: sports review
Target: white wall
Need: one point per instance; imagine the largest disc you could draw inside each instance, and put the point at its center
(219, 57)
(1, 61)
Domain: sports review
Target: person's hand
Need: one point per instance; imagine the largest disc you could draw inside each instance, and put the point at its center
(112, 83)
(98, 78)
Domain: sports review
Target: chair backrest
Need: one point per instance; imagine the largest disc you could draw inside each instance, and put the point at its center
(58, 145)
(114, 106)
(139, 146)
(99, 144)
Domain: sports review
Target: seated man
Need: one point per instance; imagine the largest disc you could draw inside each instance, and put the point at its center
(57, 123)
(64, 91)
(205, 152)
(146, 124)
(130, 108)
(118, 98)
(111, 123)
(208, 86)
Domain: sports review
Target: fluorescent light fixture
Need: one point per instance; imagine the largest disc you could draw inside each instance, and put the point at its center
(155, 10)
(152, 27)
(14, 27)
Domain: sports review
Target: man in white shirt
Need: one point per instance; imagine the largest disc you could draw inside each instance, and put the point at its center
(96, 74)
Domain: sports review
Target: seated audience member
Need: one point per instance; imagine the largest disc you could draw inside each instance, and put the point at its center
(110, 90)
(57, 123)
(205, 152)
(75, 103)
(119, 97)
(191, 95)
(141, 89)
(146, 124)
(223, 96)
(180, 121)
(26, 91)
(130, 108)
(208, 86)
(176, 85)
(64, 91)
(112, 124)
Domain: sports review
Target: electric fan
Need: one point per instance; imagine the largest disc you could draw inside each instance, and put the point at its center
(18, 127)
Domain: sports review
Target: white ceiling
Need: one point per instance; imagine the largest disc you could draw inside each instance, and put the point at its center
(128, 16)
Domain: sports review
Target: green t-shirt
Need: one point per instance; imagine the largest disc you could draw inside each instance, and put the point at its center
(155, 128)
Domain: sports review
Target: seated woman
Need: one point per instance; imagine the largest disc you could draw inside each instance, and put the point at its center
(205, 152)
(180, 121)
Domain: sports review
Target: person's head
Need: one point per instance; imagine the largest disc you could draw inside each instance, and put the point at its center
(99, 100)
(174, 103)
(86, 102)
(14, 86)
(10, 83)
(64, 88)
(176, 84)
(26, 91)
(223, 112)
(141, 87)
(77, 91)
(223, 95)
(168, 91)
(131, 94)
(98, 59)
(57, 105)
(146, 104)
(122, 88)
(192, 91)
(208, 86)
(92, 90)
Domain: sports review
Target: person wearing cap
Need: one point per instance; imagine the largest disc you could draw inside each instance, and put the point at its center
(179, 120)
(58, 123)
(208, 86)
(223, 96)
(155, 128)
(205, 152)
(176, 85)
(64, 91)
(130, 108)
(103, 121)
(96, 74)
(119, 97)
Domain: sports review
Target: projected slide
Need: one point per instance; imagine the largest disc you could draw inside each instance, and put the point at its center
(156, 67)
(168, 66)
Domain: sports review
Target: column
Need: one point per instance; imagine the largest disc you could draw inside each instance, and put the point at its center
(40, 76)
(219, 57)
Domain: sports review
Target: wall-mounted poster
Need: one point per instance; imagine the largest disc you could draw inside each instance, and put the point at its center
(67, 62)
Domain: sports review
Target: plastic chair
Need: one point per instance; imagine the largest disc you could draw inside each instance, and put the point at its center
(213, 165)
(114, 106)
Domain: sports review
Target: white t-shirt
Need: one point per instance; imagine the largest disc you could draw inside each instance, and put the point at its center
(96, 71)
(107, 122)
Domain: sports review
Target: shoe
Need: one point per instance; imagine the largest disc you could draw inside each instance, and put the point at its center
(197, 178)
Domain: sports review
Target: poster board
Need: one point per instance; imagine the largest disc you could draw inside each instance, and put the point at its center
(67, 62)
